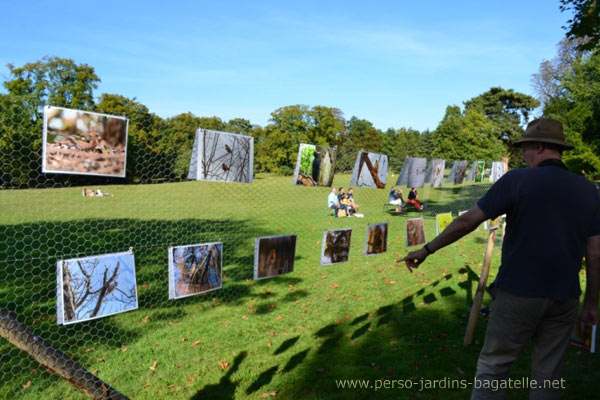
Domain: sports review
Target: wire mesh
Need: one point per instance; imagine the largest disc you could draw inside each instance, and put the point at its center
(45, 218)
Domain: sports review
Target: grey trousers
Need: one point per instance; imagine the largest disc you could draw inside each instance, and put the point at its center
(514, 321)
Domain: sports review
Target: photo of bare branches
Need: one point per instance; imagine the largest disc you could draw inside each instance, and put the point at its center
(95, 287)
(274, 255)
(336, 246)
(315, 165)
(222, 156)
(195, 269)
(83, 142)
(416, 172)
(370, 170)
(376, 239)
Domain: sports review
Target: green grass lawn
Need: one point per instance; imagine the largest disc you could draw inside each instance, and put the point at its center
(292, 335)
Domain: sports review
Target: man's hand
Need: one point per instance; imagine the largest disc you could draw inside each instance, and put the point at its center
(414, 259)
(588, 316)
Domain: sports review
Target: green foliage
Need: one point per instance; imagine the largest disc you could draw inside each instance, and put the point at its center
(585, 23)
(307, 156)
(578, 108)
(466, 136)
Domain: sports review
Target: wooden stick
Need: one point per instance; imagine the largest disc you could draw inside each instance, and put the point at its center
(54, 360)
(478, 298)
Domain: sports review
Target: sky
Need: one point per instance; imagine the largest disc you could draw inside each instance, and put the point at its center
(395, 63)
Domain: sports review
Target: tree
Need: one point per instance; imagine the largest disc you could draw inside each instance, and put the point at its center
(52, 80)
(547, 82)
(149, 155)
(585, 23)
(327, 125)
(578, 108)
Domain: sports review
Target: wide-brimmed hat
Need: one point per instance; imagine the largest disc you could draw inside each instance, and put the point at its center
(544, 130)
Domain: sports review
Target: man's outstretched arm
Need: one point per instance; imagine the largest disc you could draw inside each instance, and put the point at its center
(457, 229)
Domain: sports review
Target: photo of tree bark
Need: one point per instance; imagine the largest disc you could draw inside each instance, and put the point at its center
(415, 232)
(195, 269)
(95, 287)
(437, 174)
(336, 246)
(315, 165)
(376, 239)
(82, 142)
(274, 255)
(370, 170)
(222, 156)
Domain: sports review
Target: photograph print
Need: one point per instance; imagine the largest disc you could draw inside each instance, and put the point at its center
(83, 143)
(442, 221)
(376, 239)
(415, 232)
(437, 172)
(336, 246)
(496, 171)
(370, 170)
(195, 269)
(95, 287)
(222, 157)
(274, 255)
(479, 171)
(461, 169)
(416, 172)
(315, 165)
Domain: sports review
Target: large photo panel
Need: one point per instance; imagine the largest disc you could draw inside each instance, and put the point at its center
(195, 269)
(274, 255)
(370, 170)
(222, 157)
(315, 165)
(83, 143)
(95, 287)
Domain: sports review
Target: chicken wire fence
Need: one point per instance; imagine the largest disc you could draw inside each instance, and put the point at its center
(47, 218)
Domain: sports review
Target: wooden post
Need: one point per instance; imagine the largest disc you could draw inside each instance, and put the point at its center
(55, 360)
(478, 298)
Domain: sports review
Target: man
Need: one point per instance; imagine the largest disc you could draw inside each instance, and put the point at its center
(332, 202)
(553, 220)
(343, 202)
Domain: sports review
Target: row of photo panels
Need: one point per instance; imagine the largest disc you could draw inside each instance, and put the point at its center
(88, 143)
(99, 286)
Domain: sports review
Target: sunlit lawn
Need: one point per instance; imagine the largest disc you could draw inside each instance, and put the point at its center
(291, 336)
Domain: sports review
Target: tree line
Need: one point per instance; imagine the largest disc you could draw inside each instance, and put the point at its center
(159, 149)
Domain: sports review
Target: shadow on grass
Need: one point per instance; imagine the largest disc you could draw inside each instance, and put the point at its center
(29, 253)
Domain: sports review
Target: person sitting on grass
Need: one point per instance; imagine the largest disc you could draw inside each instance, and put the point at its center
(332, 202)
(350, 195)
(396, 199)
(413, 198)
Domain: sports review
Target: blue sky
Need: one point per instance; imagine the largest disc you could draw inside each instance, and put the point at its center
(394, 63)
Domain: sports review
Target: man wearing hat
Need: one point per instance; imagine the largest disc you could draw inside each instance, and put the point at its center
(552, 222)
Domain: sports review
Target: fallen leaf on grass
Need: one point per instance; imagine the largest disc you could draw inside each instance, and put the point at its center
(196, 343)
(146, 318)
(171, 386)
(191, 379)
(27, 385)
(34, 371)
(101, 360)
(335, 286)
(279, 318)
(124, 349)
(87, 350)
(223, 365)
(153, 366)
(272, 306)
(272, 334)
(94, 372)
(268, 394)
(269, 345)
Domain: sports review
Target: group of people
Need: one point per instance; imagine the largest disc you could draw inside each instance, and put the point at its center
(343, 201)
(396, 199)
